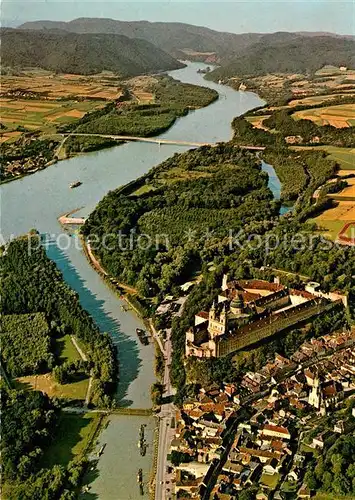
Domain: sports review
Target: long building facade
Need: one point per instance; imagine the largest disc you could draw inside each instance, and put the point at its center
(248, 311)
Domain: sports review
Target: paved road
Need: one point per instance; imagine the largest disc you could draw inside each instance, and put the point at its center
(166, 433)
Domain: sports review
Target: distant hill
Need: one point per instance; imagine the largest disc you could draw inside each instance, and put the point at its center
(174, 38)
(287, 53)
(64, 52)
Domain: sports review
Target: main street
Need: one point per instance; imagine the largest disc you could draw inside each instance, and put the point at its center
(166, 432)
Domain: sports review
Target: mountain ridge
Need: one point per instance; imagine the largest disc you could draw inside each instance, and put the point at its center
(66, 52)
(172, 37)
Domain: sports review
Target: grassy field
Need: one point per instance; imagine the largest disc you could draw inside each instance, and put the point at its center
(146, 188)
(73, 437)
(331, 221)
(66, 350)
(349, 191)
(339, 116)
(47, 384)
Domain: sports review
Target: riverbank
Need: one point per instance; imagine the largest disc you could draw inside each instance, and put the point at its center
(36, 201)
(106, 126)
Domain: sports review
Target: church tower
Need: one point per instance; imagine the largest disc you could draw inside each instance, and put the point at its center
(314, 397)
(225, 282)
(212, 312)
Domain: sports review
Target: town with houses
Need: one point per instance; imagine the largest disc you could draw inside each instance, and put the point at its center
(284, 402)
(261, 433)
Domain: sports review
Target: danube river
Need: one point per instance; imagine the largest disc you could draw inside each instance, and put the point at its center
(36, 201)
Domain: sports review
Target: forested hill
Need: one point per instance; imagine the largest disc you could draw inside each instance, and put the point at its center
(287, 54)
(172, 37)
(179, 39)
(82, 53)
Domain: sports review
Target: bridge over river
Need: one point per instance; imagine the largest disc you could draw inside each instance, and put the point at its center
(171, 142)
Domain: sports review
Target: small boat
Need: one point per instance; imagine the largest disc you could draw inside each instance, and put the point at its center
(142, 336)
(101, 450)
(75, 184)
(140, 476)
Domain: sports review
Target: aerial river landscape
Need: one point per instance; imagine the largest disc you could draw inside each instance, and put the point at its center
(36, 201)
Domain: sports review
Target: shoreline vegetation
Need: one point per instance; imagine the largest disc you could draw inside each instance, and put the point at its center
(144, 109)
(40, 314)
(193, 176)
(317, 169)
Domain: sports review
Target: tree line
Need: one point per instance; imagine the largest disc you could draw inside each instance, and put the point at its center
(31, 283)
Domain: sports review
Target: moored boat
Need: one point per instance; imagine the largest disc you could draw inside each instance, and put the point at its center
(75, 184)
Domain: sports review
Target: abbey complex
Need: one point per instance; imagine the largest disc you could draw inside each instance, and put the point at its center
(249, 311)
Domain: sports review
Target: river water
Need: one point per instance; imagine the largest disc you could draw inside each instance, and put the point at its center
(36, 201)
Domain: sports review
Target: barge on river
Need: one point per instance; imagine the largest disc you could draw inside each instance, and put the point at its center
(143, 337)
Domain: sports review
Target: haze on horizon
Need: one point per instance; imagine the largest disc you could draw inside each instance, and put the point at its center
(233, 16)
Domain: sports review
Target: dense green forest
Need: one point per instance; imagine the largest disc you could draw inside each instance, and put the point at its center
(282, 125)
(297, 54)
(26, 344)
(82, 53)
(300, 170)
(28, 426)
(172, 99)
(31, 284)
(170, 37)
(332, 470)
(182, 211)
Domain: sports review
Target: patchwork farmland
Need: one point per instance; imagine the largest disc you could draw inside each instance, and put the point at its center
(339, 116)
(40, 101)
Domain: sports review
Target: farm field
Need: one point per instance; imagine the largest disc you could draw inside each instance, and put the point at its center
(349, 191)
(334, 219)
(47, 384)
(41, 101)
(40, 114)
(339, 116)
(51, 86)
(314, 100)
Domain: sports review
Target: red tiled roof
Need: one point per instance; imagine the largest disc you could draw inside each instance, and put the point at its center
(203, 314)
(275, 428)
(260, 453)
